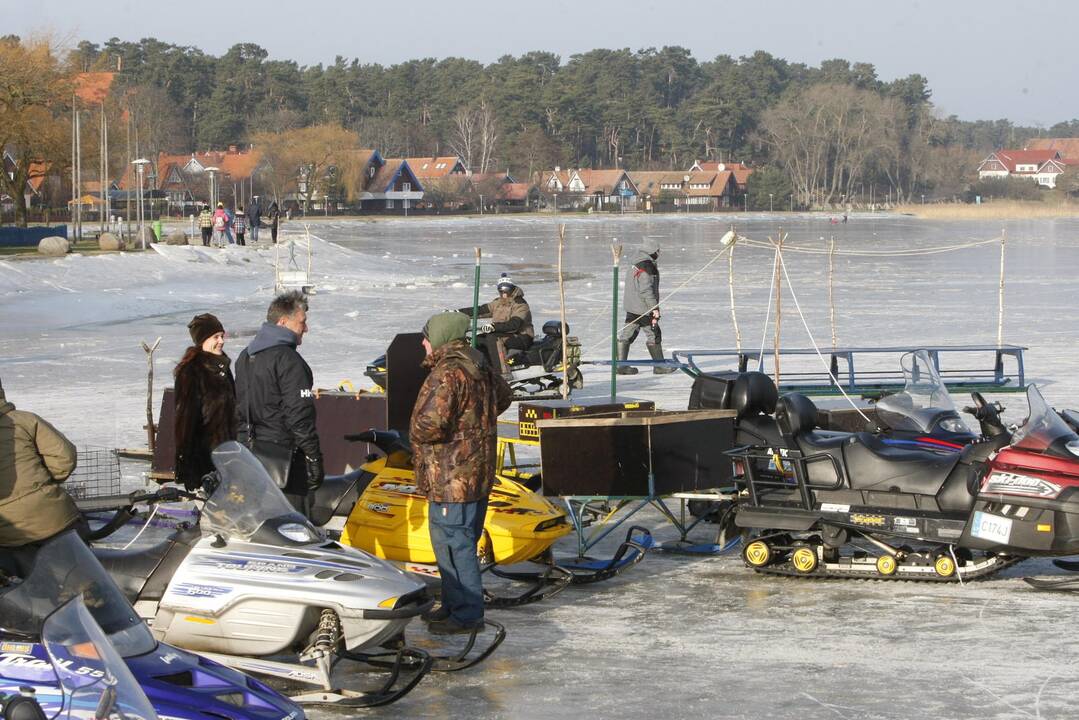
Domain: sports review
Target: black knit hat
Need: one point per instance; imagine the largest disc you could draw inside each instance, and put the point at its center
(204, 326)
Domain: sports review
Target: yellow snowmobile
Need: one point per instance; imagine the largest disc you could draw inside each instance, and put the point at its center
(386, 515)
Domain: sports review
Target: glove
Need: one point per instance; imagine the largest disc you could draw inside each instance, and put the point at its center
(315, 473)
(484, 328)
(655, 313)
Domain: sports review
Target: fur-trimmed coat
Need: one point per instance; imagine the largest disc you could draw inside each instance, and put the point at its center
(205, 395)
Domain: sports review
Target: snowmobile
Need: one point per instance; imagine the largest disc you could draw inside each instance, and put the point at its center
(179, 684)
(386, 515)
(922, 415)
(834, 504)
(535, 373)
(255, 579)
(91, 679)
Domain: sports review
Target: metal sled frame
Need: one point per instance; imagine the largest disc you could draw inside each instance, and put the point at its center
(981, 375)
(319, 674)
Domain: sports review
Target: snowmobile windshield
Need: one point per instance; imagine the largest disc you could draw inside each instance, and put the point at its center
(923, 403)
(64, 569)
(1044, 430)
(247, 505)
(96, 682)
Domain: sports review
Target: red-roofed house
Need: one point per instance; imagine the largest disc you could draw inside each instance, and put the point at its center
(740, 171)
(1042, 166)
(697, 188)
(1067, 147)
(429, 168)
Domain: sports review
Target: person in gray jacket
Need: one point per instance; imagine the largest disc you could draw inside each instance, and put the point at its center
(641, 301)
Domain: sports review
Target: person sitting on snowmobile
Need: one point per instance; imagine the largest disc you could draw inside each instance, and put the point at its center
(641, 301)
(35, 458)
(510, 322)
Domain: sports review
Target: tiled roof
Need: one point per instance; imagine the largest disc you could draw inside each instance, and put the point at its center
(1011, 158)
(650, 182)
(514, 191)
(596, 181)
(740, 170)
(382, 179)
(433, 167)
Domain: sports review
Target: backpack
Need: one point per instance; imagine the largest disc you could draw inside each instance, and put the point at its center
(219, 222)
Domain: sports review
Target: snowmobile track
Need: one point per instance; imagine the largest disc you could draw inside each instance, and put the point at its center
(823, 573)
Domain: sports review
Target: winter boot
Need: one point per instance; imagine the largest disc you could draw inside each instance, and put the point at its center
(623, 354)
(656, 351)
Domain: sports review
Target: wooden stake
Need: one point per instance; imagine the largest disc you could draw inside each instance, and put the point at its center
(779, 300)
(730, 287)
(151, 429)
(1000, 297)
(476, 299)
(831, 299)
(562, 306)
(616, 253)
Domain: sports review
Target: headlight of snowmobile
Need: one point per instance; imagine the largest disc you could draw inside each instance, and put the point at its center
(296, 533)
(1073, 447)
(953, 425)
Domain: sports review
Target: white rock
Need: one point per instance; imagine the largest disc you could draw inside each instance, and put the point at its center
(54, 246)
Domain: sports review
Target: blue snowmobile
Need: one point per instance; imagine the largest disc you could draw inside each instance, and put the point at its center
(179, 684)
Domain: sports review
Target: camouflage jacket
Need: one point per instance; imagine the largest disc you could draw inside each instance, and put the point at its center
(453, 429)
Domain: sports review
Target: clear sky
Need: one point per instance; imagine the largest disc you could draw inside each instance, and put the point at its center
(984, 59)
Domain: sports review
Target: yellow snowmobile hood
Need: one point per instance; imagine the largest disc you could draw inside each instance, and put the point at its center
(390, 520)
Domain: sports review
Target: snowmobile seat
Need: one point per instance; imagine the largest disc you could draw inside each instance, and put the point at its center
(143, 573)
(545, 351)
(338, 492)
(796, 417)
(753, 396)
(875, 465)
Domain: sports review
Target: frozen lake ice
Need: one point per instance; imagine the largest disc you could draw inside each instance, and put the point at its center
(676, 636)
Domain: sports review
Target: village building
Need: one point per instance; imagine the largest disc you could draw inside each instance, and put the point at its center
(740, 170)
(695, 189)
(605, 189)
(1041, 165)
(436, 167)
(387, 184)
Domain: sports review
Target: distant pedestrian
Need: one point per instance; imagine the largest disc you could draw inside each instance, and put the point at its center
(254, 219)
(641, 302)
(275, 219)
(35, 458)
(205, 396)
(454, 430)
(206, 225)
(222, 221)
(239, 225)
(275, 401)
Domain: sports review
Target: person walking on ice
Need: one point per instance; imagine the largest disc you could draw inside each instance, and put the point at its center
(641, 302)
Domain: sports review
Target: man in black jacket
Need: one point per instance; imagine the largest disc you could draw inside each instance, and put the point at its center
(275, 402)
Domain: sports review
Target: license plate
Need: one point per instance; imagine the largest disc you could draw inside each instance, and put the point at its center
(991, 527)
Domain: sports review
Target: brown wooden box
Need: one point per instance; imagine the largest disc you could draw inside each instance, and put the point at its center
(610, 456)
(529, 412)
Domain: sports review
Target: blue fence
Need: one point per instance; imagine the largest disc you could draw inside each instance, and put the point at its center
(31, 236)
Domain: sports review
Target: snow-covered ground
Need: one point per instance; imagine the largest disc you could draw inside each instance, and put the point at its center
(676, 636)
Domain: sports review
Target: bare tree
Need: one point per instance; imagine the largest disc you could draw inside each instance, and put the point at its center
(465, 135)
(488, 135)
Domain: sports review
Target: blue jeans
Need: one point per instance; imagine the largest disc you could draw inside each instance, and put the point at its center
(455, 530)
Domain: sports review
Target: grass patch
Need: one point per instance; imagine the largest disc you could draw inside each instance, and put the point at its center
(996, 210)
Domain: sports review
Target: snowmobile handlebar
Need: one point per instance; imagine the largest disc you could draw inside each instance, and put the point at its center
(387, 441)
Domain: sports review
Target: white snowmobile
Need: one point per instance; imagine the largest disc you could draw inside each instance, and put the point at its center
(255, 579)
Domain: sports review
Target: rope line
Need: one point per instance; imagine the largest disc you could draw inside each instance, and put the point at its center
(827, 367)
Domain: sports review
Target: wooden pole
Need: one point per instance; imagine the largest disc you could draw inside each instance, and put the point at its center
(730, 287)
(616, 253)
(476, 299)
(779, 300)
(151, 430)
(562, 312)
(831, 298)
(1000, 297)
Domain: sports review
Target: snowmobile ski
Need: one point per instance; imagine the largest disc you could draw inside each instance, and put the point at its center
(1068, 584)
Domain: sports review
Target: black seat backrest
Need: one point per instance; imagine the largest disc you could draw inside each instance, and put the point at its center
(796, 414)
(753, 393)
(712, 392)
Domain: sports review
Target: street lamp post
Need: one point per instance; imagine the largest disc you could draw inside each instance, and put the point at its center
(792, 202)
(139, 164)
(923, 198)
(212, 171)
(770, 201)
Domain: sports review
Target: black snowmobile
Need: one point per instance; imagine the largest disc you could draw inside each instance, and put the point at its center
(535, 372)
(825, 503)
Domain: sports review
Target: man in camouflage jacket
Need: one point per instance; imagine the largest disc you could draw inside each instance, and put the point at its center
(454, 435)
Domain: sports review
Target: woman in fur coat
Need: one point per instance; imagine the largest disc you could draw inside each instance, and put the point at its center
(205, 397)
